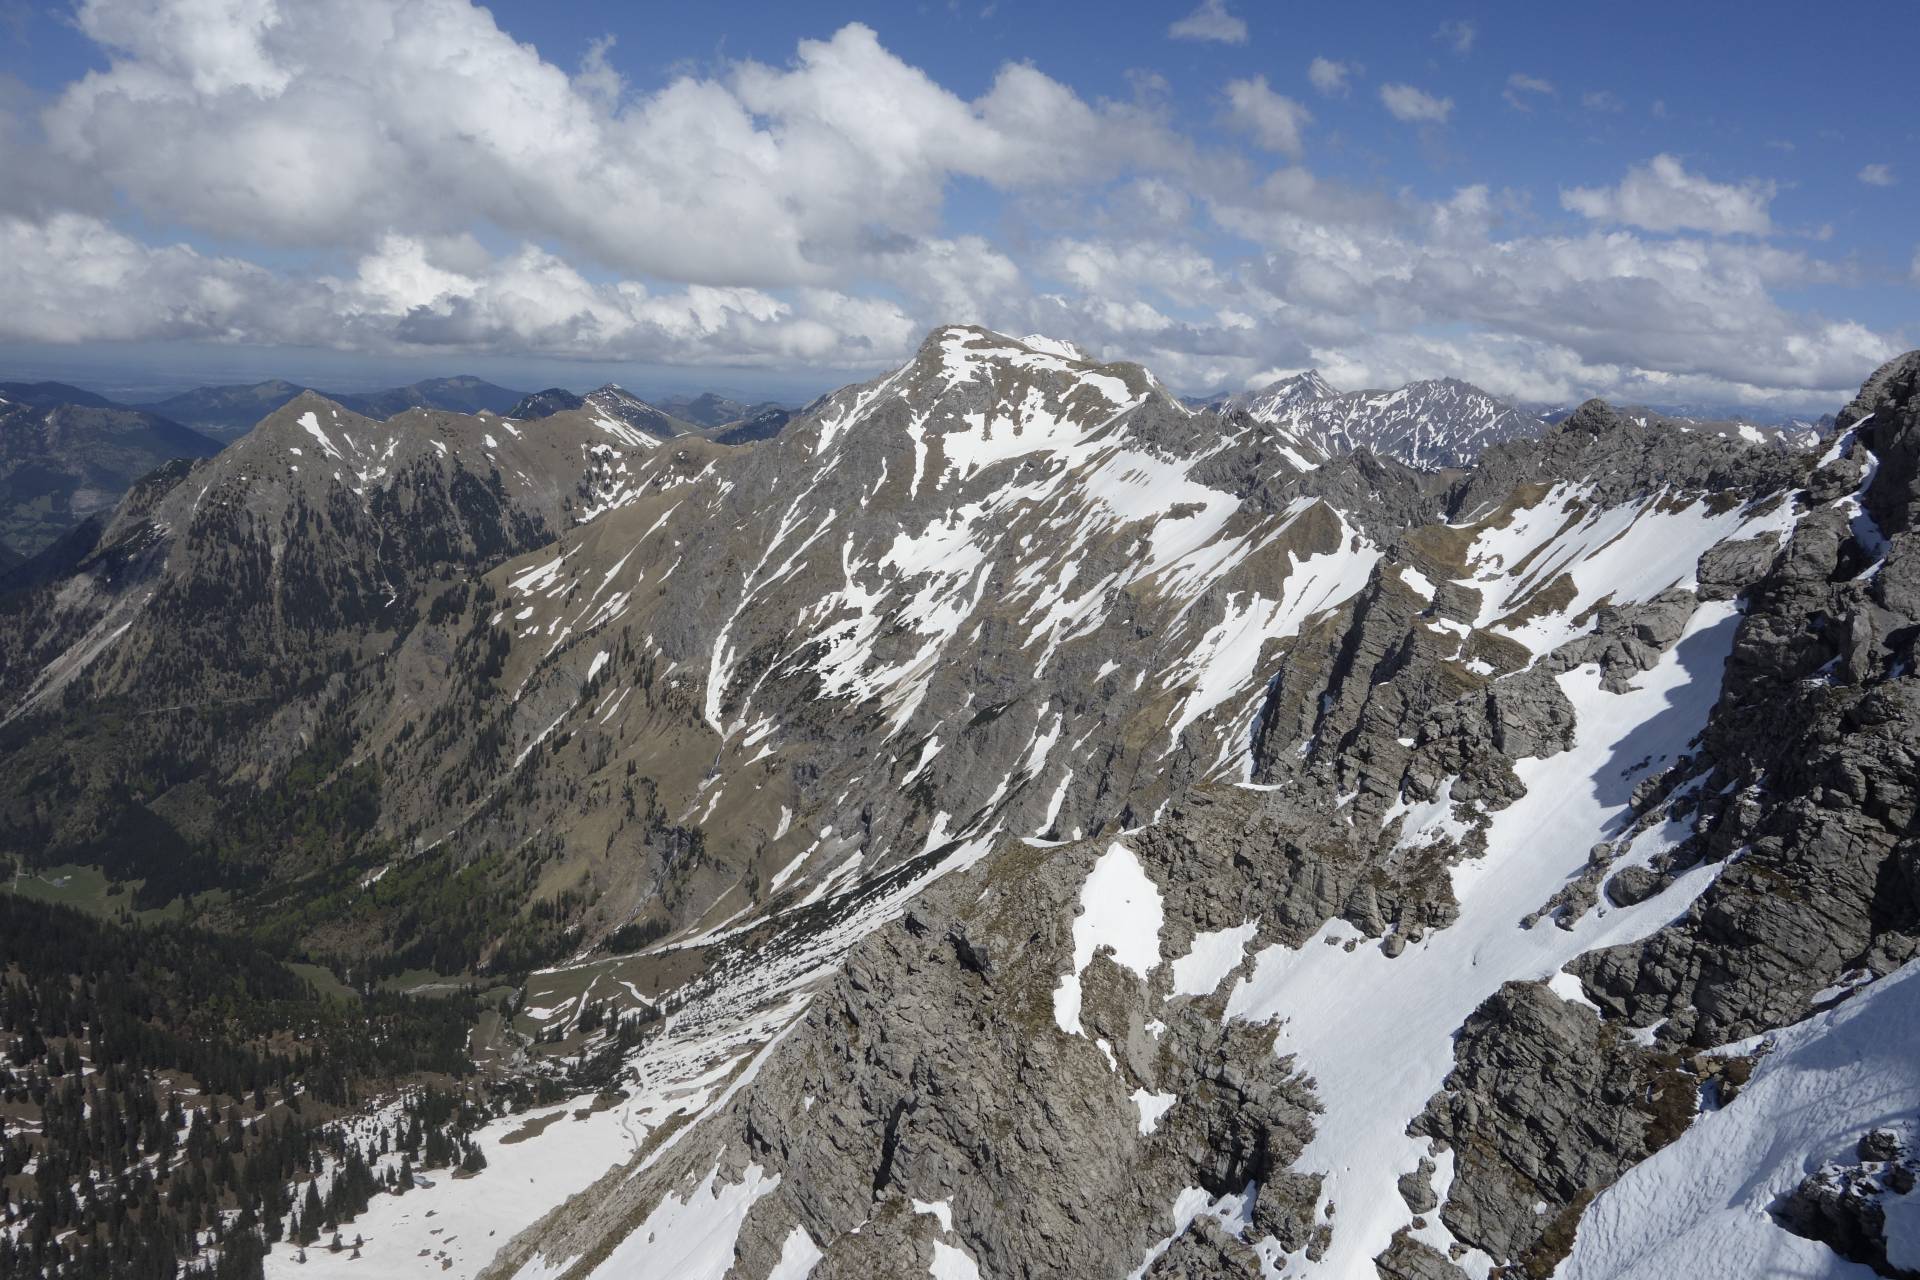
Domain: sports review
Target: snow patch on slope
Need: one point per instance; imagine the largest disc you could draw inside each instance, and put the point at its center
(690, 1239)
(1699, 1205)
(1119, 908)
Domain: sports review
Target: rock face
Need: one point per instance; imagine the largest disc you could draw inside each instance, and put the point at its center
(1845, 1204)
(1082, 835)
(1594, 1103)
(1806, 769)
(1504, 691)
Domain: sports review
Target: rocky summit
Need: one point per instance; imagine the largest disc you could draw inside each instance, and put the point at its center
(1000, 821)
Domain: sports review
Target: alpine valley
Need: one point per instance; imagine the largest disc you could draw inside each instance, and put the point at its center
(1000, 821)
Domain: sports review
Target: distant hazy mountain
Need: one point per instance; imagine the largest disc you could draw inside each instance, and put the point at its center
(712, 410)
(67, 454)
(225, 412)
(612, 402)
(463, 394)
(764, 423)
(544, 404)
(45, 395)
(228, 412)
(719, 418)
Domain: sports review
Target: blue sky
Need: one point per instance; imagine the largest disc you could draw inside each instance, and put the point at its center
(1670, 203)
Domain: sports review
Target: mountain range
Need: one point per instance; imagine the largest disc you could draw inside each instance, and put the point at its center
(723, 420)
(1441, 422)
(67, 454)
(227, 412)
(1005, 822)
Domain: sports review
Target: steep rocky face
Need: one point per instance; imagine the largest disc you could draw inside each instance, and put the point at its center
(66, 456)
(1522, 859)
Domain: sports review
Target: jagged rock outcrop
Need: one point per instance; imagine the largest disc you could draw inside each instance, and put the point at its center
(1808, 774)
(1846, 1205)
(1589, 1102)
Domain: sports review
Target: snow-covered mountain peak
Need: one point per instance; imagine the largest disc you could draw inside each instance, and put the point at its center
(635, 421)
(1271, 402)
(1439, 422)
(647, 423)
(971, 398)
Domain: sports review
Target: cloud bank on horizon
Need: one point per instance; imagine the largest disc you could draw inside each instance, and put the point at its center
(373, 176)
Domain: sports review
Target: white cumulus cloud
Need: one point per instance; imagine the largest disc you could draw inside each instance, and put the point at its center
(329, 123)
(423, 182)
(1415, 106)
(1211, 21)
(1330, 77)
(1662, 196)
(1273, 120)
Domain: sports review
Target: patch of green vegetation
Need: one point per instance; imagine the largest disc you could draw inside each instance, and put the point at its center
(88, 888)
(324, 981)
(69, 885)
(428, 919)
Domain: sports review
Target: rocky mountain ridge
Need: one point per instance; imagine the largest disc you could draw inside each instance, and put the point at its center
(1564, 831)
(1066, 833)
(612, 402)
